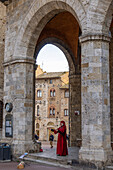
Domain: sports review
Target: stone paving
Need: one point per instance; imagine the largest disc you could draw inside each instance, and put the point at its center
(49, 158)
(51, 153)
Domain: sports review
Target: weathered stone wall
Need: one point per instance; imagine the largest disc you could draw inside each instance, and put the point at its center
(95, 99)
(18, 90)
(2, 43)
(111, 85)
(75, 105)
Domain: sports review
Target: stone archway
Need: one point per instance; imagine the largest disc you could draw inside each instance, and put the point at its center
(22, 35)
(27, 36)
(74, 88)
(21, 65)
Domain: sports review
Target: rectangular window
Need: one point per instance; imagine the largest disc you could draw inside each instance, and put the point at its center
(8, 126)
(66, 112)
(67, 94)
(53, 111)
(39, 93)
(50, 111)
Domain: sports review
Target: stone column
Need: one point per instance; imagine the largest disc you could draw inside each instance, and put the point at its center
(95, 99)
(75, 105)
(18, 90)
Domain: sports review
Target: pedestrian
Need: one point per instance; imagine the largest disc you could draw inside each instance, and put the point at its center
(36, 137)
(51, 138)
(61, 142)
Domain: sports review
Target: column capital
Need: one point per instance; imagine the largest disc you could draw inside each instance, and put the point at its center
(19, 60)
(94, 37)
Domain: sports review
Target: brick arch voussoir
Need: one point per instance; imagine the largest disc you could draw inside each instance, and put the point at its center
(38, 16)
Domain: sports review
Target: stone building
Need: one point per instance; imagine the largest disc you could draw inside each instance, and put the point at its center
(83, 30)
(51, 102)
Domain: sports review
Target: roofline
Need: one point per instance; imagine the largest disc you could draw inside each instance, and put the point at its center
(48, 78)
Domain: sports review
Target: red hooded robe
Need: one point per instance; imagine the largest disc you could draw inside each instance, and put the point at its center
(61, 142)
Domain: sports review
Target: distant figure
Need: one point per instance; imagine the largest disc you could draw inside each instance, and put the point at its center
(61, 142)
(51, 138)
(36, 137)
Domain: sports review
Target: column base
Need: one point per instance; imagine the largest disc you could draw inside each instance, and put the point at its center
(97, 156)
(20, 147)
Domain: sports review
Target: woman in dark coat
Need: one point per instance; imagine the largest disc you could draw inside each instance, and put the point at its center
(61, 142)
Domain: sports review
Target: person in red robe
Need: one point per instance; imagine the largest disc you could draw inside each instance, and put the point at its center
(61, 142)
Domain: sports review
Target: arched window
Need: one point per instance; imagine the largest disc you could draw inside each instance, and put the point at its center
(66, 93)
(50, 124)
(52, 111)
(52, 93)
(39, 93)
(37, 132)
(37, 125)
(65, 112)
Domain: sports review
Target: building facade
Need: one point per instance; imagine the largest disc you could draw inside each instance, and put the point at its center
(83, 30)
(51, 102)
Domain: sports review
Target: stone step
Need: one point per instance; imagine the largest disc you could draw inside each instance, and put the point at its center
(72, 164)
(75, 166)
(43, 162)
(49, 159)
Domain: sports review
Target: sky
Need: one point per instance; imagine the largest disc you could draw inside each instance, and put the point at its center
(52, 59)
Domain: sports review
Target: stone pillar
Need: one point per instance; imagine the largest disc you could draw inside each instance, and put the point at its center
(95, 99)
(75, 105)
(18, 90)
(111, 85)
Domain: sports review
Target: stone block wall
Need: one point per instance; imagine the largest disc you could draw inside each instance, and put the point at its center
(19, 91)
(95, 97)
(2, 47)
(111, 86)
(2, 43)
(75, 105)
